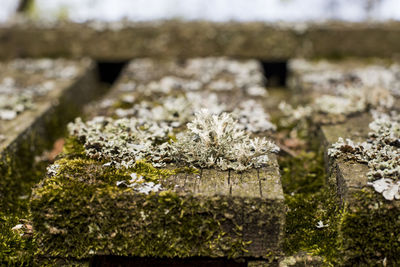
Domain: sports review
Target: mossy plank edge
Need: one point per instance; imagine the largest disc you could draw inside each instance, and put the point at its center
(174, 38)
(369, 226)
(36, 130)
(354, 128)
(172, 223)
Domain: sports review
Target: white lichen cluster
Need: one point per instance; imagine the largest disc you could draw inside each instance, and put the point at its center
(252, 117)
(49, 68)
(178, 110)
(173, 92)
(16, 98)
(139, 184)
(345, 102)
(326, 76)
(217, 141)
(214, 74)
(381, 152)
(122, 142)
(17, 95)
(172, 110)
(342, 90)
(210, 141)
(293, 115)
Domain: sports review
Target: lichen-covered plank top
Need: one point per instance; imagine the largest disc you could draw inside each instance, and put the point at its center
(369, 226)
(29, 88)
(158, 175)
(343, 88)
(37, 98)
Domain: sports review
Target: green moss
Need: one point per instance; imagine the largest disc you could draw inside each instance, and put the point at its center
(15, 250)
(303, 173)
(370, 230)
(302, 233)
(118, 221)
(310, 201)
(19, 172)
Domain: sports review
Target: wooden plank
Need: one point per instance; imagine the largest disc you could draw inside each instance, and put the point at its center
(39, 98)
(268, 41)
(207, 213)
(368, 226)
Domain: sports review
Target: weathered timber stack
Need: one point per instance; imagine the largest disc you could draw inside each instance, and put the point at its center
(359, 93)
(37, 98)
(98, 200)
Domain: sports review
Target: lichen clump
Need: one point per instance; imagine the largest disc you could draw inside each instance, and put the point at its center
(217, 140)
(210, 141)
(172, 92)
(214, 74)
(324, 76)
(122, 142)
(17, 95)
(381, 151)
(339, 91)
(177, 111)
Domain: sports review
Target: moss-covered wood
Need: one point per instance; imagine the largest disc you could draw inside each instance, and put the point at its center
(34, 130)
(80, 211)
(211, 216)
(369, 226)
(343, 93)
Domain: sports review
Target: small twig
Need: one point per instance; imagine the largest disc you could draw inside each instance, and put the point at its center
(287, 150)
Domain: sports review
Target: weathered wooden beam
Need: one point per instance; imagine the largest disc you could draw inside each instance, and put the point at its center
(203, 213)
(266, 41)
(369, 225)
(38, 98)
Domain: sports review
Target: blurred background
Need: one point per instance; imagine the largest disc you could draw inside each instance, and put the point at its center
(214, 10)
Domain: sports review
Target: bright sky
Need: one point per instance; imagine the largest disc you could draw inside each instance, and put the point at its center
(215, 10)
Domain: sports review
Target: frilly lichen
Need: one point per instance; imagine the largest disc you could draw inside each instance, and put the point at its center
(218, 141)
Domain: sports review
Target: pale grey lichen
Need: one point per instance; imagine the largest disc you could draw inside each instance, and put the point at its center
(217, 141)
(346, 88)
(325, 76)
(12, 105)
(381, 152)
(52, 170)
(252, 117)
(346, 101)
(49, 68)
(172, 110)
(122, 142)
(139, 184)
(178, 110)
(210, 141)
(212, 73)
(349, 100)
(293, 115)
(18, 95)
